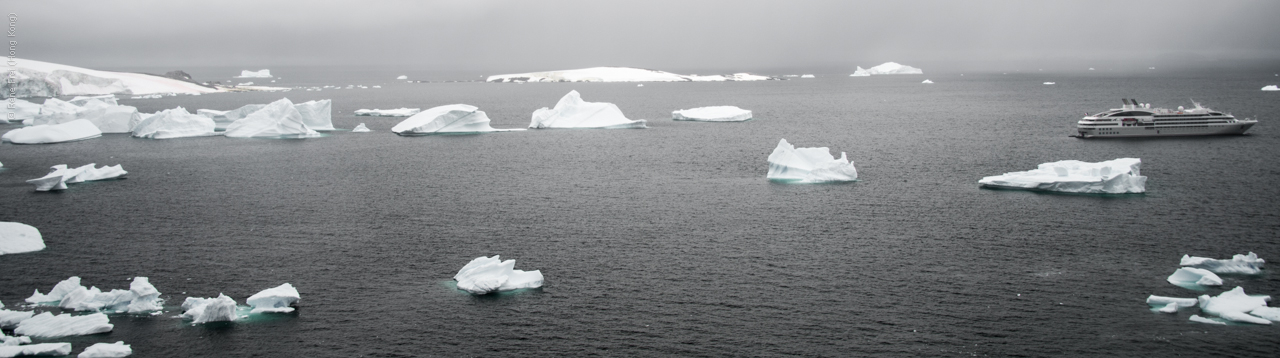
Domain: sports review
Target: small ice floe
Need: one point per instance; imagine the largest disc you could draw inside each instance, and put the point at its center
(1190, 276)
(808, 165)
(277, 299)
(244, 84)
(806, 76)
(141, 297)
(60, 175)
(1235, 305)
(926, 81)
(1050, 83)
(107, 350)
(1239, 264)
(36, 350)
(1119, 176)
(376, 86)
(1170, 304)
(280, 119)
(10, 319)
(47, 325)
(79, 129)
(17, 238)
(89, 173)
(204, 310)
(1271, 88)
(402, 77)
(640, 85)
(255, 74)
(174, 123)
(398, 112)
(360, 128)
(447, 119)
(489, 274)
(712, 114)
(572, 112)
(1197, 318)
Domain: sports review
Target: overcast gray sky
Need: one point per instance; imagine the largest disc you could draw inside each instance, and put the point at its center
(717, 35)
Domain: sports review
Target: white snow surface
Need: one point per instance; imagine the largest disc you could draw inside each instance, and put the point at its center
(254, 74)
(279, 119)
(107, 350)
(894, 68)
(17, 238)
(1171, 304)
(1235, 305)
(204, 310)
(51, 79)
(317, 114)
(1119, 176)
(453, 118)
(860, 72)
(398, 112)
(1239, 264)
(1271, 88)
(808, 165)
(79, 129)
(36, 350)
(174, 123)
(1194, 276)
(616, 74)
(360, 128)
(46, 325)
(489, 274)
(276, 299)
(712, 114)
(572, 112)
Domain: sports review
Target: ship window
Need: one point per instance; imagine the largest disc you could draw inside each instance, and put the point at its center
(1131, 114)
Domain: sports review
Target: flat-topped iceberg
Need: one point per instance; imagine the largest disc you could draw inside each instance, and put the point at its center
(1270, 88)
(398, 112)
(17, 238)
(205, 310)
(107, 350)
(47, 325)
(808, 165)
(36, 350)
(712, 114)
(222, 119)
(43, 79)
(617, 74)
(1119, 176)
(280, 119)
(860, 72)
(1239, 264)
(277, 299)
(360, 128)
(572, 112)
(1170, 304)
(255, 74)
(894, 68)
(75, 130)
(1188, 276)
(1236, 306)
(174, 123)
(489, 274)
(447, 119)
(317, 115)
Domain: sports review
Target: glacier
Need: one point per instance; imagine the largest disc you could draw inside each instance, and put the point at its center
(45, 79)
(280, 119)
(17, 238)
(808, 165)
(34, 350)
(1235, 305)
(204, 310)
(360, 128)
(1189, 276)
(712, 114)
(1270, 88)
(75, 130)
(399, 112)
(490, 274)
(1119, 176)
(107, 350)
(47, 325)
(1171, 304)
(174, 123)
(572, 112)
(277, 299)
(1239, 264)
(255, 74)
(447, 119)
(860, 72)
(894, 68)
(617, 74)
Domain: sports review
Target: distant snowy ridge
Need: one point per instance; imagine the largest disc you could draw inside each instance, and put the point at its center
(43, 79)
(619, 74)
(894, 68)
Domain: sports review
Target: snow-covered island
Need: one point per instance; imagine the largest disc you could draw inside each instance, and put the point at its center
(619, 74)
(43, 79)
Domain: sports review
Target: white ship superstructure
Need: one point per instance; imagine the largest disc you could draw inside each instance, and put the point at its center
(1140, 120)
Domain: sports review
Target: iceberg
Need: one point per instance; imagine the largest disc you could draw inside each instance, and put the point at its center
(1170, 304)
(280, 119)
(808, 165)
(141, 297)
(59, 291)
(103, 112)
(447, 119)
(572, 112)
(17, 110)
(106, 350)
(89, 173)
(46, 325)
(712, 114)
(204, 310)
(36, 350)
(806, 76)
(317, 115)
(402, 77)
(1271, 88)
(174, 123)
(56, 179)
(44, 79)
(1187, 276)
(277, 299)
(75, 130)
(926, 81)
(860, 72)
(1235, 305)
(10, 319)
(399, 112)
(893, 68)
(1239, 264)
(255, 74)
(222, 119)
(489, 274)
(17, 238)
(616, 74)
(55, 111)
(1119, 176)
(109, 99)
(360, 128)
(1050, 83)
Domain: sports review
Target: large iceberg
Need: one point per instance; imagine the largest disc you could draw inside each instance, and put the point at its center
(1235, 305)
(573, 112)
(860, 72)
(1170, 304)
(1188, 276)
(277, 299)
(489, 274)
(712, 114)
(204, 310)
(36, 350)
(1119, 176)
(808, 165)
(75, 130)
(1239, 264)
(43, 79)
(280, 119)
(894, 68)
(255, 74)
(46, 325)
(317, 115)
(107, 350)
(399, 112)
(447, 119)
(222, 119)
(174, 123)
(617, 74)
(17, 238)
(1271, 88)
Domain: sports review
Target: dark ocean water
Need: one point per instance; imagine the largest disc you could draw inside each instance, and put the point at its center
(669, 240)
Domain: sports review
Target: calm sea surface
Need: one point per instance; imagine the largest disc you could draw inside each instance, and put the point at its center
(669, 240)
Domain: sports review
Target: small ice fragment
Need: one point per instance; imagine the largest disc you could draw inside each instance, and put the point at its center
(1050, 83)
(255, 74)
(402, 77)
(107, 350)
(926, 81)
(1170, 304)
(1239, 264)
(1191, 275)
(360, 128)
(46, 325)
(806, 76)
(277, 299)
(488, 274)
(1271, 88)
(1234, 305)
(1197, 318)
(89, 173)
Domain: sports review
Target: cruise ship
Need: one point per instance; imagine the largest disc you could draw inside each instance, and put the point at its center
(1140, 120)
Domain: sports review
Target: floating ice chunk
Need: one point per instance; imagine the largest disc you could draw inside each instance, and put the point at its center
(640, 85)
(1270, 313)
(59, 290)
(1239, 264)
(107, 350)
(1194, 276)
(1170, 304)
(109, 117)
(55, 111)
(1050, 83)
(46, 325)
(10, 319)
(1234, 305)
(1271, 88)
(1117, 176)
(317, 115)
(21, 110)
(860, 72)
(204, 310)
(572, 112)
(17, 238)
(488, 274)
(806, 76)
(926, 81)
(89, 173)
(1197, 318)
(808, 165)
(1090, 68)
(402, 77)
(174, 123)
(712, 114)
(280, 119)
(222, 119)
(255, 74)
(894, 68)
(36, 350)
(140, 298)
(79, 129)
(56, 179)
(277, 299)
(399, 112)
(360, 128)
(447, 119)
